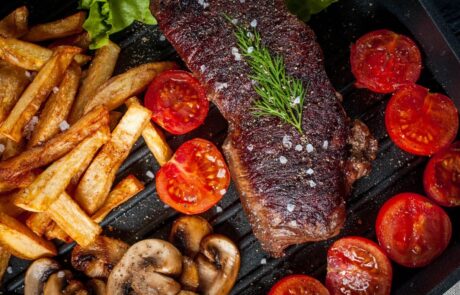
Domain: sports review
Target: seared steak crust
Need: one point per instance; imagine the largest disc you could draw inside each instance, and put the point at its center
(292, 186)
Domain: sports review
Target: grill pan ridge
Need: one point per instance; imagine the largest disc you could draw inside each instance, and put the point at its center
(393, 171)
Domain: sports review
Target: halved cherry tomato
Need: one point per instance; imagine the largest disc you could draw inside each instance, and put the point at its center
(357, 265)
(442, 176)
(195, 178)
(421, 122)
(177, 101)
(382, 61)
(412, 230)
(298, 285)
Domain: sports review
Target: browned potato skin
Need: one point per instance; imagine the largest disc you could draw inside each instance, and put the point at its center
(57, 107)
(13, 81)
(57, 29)
(39, 223)
(4, 261)
(118, 89)
(55, 148)
(100, 70)
(20, 180)
(15, 24)
(81, 40)
(7, 206)
(36, 93)
(20, 241)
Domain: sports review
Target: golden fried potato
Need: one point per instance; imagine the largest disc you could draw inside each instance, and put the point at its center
(15, 24)
(13, 81)
(118, 89)
(95, 184)
(55, 148)
(12, 148)
(39, 196)
(20, 241)
(35, 94)
(39, 223)
(57, 29)
(100, 70)
(57, 108)
(81, 40)
(7, 205)
(127, 188)
(73, 220)
(21, 180)
(4, 261)
(55, 232)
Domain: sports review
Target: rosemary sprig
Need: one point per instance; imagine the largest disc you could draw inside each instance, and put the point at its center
(281, 95)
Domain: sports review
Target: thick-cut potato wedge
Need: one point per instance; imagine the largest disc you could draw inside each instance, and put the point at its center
(39, 223)
(4, 261)
(20, 241)
(81, 40)
(13, 81)
(127, 188)
(100, 70)
(7, 205)
(57, 107)
(73, 220)
(115, 119)
(12, 148)
(155, 139)
(35, 94)
(95, 184)
(38, 196)
(29, 56)
(57, 29)
(55, 148)
(18, 181)
(55, 232)
(118, 89)
(15, 24)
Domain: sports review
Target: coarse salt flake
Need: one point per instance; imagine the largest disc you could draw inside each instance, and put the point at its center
(220, 86)
(287, 141)
(312, 183)
(299, 148)
(253, 23)
(309, 148)
(28, 74)
(2, 148)
(203, 3)
(60, 274)
(9, 269)
(150, 174)
(219, 209)
(290, 207)
(221, 173)
(283, 160)
(166, 206)
(211, 158)
(296, 100)
(222, 192)
(30, 127)
(162, 37)
(250, 49)
(325, 144)
(235, 21)
(64, 125)
(263, 261)
(55, 89)
(203, 68)
(250, 147)
(310, 171)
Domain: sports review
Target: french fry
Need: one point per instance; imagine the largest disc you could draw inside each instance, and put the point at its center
(115, 119)
(39, 223)
(55, 148)
(20, 241)
(73, 220)
(4, 261)
(57, 29)
(55, 232)
(7, 206)
(12, 148)
(13, 81)
(15, 24)
(18, 181)
(36, 93)
(115, 91)
(155, 139)
(95, 184)
(57, 107)
(38, 196)
(29, 56)
(81, 40)
(127, 188)
(100, 70)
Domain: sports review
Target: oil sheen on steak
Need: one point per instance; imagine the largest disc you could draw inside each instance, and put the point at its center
(292, 186)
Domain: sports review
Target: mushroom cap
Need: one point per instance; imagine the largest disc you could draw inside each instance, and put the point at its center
(187, 233)
(37, 274)
(146, 268)
(98, 259)
(218, 265)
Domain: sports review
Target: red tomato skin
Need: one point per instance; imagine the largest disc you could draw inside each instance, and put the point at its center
(416, 102)
(446, 192)
(383, 61)
(188, 174)
(181, 111)
(290, 285)
(395, 242)
(339, 265)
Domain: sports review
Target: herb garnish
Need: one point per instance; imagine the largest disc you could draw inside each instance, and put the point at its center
(281, 95)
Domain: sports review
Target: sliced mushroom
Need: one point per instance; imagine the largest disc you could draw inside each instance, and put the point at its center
(97, 287)
(218, 265)
(147, 268)
(37, 274)
(187, 233)
(189, 278)
(98, 259)
(57, 282)
(75, 288)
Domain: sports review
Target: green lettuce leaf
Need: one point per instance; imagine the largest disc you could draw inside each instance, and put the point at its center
(110, 16)
(305, 8)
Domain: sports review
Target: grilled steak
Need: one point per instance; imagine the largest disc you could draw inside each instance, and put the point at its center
(292, 186)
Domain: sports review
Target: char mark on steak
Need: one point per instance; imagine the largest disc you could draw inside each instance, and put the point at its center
(292, 186)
